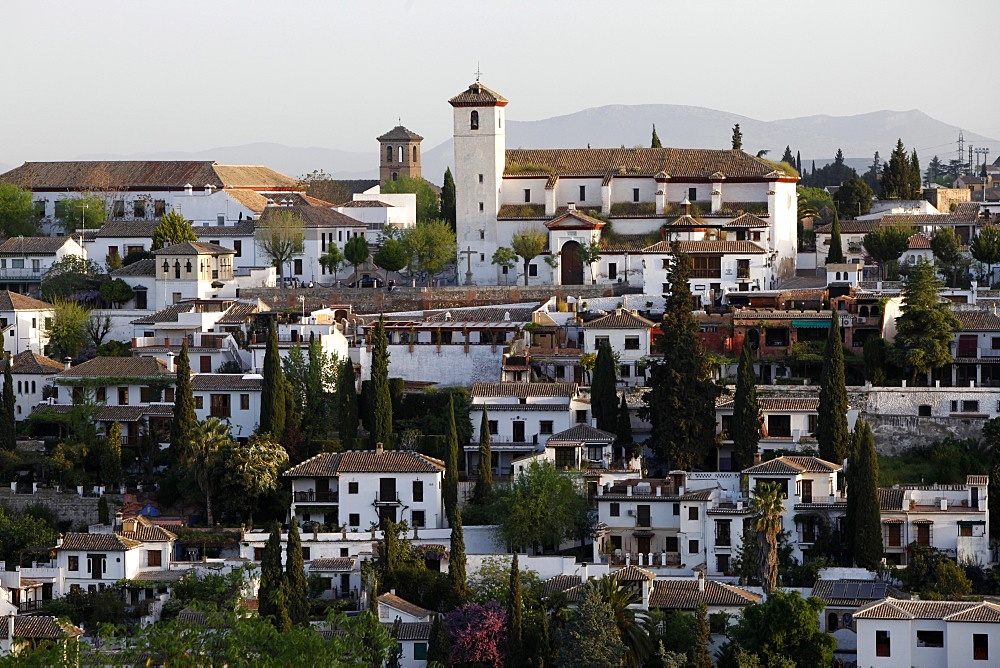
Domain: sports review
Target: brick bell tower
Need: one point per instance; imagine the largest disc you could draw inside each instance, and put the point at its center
(399, 149)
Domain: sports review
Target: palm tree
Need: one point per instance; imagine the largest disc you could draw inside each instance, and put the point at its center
(202, 454)
(767, 508)
(619, 596)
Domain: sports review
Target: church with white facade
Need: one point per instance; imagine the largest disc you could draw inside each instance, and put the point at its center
(721, 203)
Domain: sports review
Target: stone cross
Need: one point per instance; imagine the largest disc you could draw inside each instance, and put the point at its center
(468, 264)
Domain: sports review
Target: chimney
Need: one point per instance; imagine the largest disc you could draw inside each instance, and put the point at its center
(701, 580)
(68, 361)
(756, 458)
(59, 540)
(571, 206)
(118, 521)
(686, 203)
(130, 525)
(379, 448)
(170, 362)
(10, 629)
(188, 189)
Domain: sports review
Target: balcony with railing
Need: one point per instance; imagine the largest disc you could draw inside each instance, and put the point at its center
(388, 499)
(22, 273)
(309, 496)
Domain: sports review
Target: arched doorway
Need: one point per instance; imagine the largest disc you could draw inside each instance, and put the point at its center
(572, 266)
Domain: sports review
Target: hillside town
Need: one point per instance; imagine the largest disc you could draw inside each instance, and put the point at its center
(641, 406)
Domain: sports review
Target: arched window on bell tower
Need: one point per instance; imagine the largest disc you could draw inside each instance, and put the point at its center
(414, 153)
(474, 120)
(401, 154)
(388, 154)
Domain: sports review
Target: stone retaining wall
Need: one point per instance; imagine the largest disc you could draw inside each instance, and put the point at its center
(80, 510)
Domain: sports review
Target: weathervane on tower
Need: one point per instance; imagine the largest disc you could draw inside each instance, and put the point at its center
(477, 72)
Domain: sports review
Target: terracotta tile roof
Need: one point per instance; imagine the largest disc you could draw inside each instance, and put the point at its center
(747, 220)
(235, 382)
(118, 367)
(676, 162)
(129, 229)
(409, 631)
(400, 133)
(890, 498)
(134, 413)
(34, 627)
(159, 575)
(168, 314)
(239, 312)
(12, 301)
(29, 362)
(756, 315)
(401, 604)
(582, 433)
(516, 408)
(138, 174)
(978, 320)
(364, 204)
(194, 248)
(790, 465)
(853, 226)
(695, 247)
(251, 199)
(144, 267)
(575, 220)
(102, 542)
(329, 464)
(523, 390)
(478, 95)
(32, 245)
(986, 611)
(560, 583)
(513, 313)
(141, 529)
(312, 216)
(335, 564)
(918, 241)
(244, 228)
(780, 403)
(633, 573)
(685, 595)
(620, 319)
(957, 611)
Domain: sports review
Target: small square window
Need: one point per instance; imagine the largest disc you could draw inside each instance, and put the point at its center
(615, 510)
(581, 417)
(545, 427)
(693, 547)
(677, 509)
(344, 552)
(625, 371)
(970, 406)
(494, 427)
(631, 343)
(352, 487)
(924, 410)
(74, 563)
(692, 194)
(354, 520)
(417, 518)
(244, 402)
(532, 269)
(480, 178)
(693, 513)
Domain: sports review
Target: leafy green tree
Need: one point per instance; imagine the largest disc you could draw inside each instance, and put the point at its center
(448, 211)
(272, 394)
(783, 632)
(836, 252)
(745, 430)
(947, 248)
(886, 244)
(621, 598)
(926, 328)
(866, 525)
(347, 404)
(505, 258)
(391, 256)
(456, 560)
(18, 217)
(381, 406)
(766, 508)
(253, 469)
(484, 473)
(357, 252)
(589, 254)
(87, 211)
(515, 611)
(831, 427)
(933, 574)
(116, 292)
(111, 456)
(874, 356)
(604, 389)
(702, 657)
(69, 277)
(67, 329)
(427, 198)
(296, 587)
(20, 531)
(280, 236)
(591, 637)
(431, 246)
(333, 260)
(8, 403)
(541, 508)
(272, 600)
(655, 142)
(450, 485)
(528, 244)
(737, 138)
(985, 247)
(202, 455)
(681, 401)
(172, 229)
(898, 176)
(854, 198)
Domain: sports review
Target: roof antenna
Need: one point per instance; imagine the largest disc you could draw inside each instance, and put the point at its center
(477, 72)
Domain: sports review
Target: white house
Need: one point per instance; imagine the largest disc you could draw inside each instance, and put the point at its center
(206, 351)
(25, 260)
(322, 226)
(24, 321)
(361, 489)
(929, 634)
(233, 398)
(719, 268)
(787, 423)
(193, 270)
(410, 625)
(31, 373)
(297, 333)
(628, 335)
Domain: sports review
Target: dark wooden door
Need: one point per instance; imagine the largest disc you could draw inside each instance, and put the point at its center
(572, 266)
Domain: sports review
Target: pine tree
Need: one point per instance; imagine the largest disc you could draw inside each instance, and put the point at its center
(681, 401)
(897, 177)
(439, 650)
(272, 601)
(347, 404)
(448, 211)
(737, 138)
(655, 143)
(381, 407)
(926, 329)
(111, 456)
(484, 473)
(8, 439)
(701, 658)
(603, 389)
(787, 156)
(182, 426)
(272, 394)
(450, 490)
(624, 440)
(745, 426)
(296, 587)
(831, 426)
(836, 253)
(867, 523)
(456, 561)
(515, 612)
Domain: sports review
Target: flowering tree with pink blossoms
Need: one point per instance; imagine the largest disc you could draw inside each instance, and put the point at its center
(478, 633)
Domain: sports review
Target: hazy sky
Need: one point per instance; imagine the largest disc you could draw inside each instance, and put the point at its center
(142, 76)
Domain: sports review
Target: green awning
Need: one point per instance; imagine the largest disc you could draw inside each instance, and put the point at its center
(811, 324)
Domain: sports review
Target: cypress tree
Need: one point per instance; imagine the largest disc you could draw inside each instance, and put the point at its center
(450, 491)
(745, 425)
(8, 439)
(440, 645)
(484, 474)
(868, 518)
(603, 390)
(655, 142)
(448, 211)
(623, 433)
(271, 592)
(836, 253)
(851, 509)
(515, 611)
(798, 162)
(347, 404)
(456, 561)
(831, 425)
(182, 426)
(111, 456)
(296, 587)
(702, 658)
(272, 394)
(381, 406)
